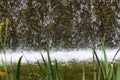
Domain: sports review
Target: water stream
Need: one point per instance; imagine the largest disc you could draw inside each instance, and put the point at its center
(60, 24)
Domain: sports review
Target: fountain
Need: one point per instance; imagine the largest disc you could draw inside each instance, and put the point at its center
(68, 24)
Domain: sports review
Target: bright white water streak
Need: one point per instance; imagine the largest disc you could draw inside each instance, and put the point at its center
(61, 56)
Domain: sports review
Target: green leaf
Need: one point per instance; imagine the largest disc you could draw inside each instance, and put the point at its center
(118, 72)
(50, 72)
(115, 54)
(99, 73)
(5, 67)
(31, 70)
(105, 60)
(45, 64)
(57, 71)
(41, 71)
(99, 63)
(18, 69)
(83, 73)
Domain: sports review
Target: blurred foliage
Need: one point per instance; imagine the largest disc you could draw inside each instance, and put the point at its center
(58, 24)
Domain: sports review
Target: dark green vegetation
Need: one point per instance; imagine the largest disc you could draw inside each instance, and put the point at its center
(74, 71)
(60, 23)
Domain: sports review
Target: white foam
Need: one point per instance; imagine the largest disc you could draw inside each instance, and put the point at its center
(61, 56)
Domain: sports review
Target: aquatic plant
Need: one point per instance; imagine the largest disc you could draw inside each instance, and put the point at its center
(109, 71)
(4, 62)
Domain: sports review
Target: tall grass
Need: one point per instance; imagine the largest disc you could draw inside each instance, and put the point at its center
(4, 46)
(4, 61)
(108, 70)
(51, 74)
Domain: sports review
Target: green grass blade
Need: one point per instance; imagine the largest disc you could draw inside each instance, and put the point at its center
(18, 68)
(111, 71)
(105, 60)
(99, 63)
(50, 72)
(83, 74)
(45, 64)
(99, 73)
(114, 73)
(41, 71)
(115, 54)
(5, 68)
(6, 30)
(94, 53)
(118, 72)
(1, 44)
(4, 46)
(31, 70)
(57, 71)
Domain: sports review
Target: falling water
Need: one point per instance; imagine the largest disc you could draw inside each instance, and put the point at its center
(66, 24)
